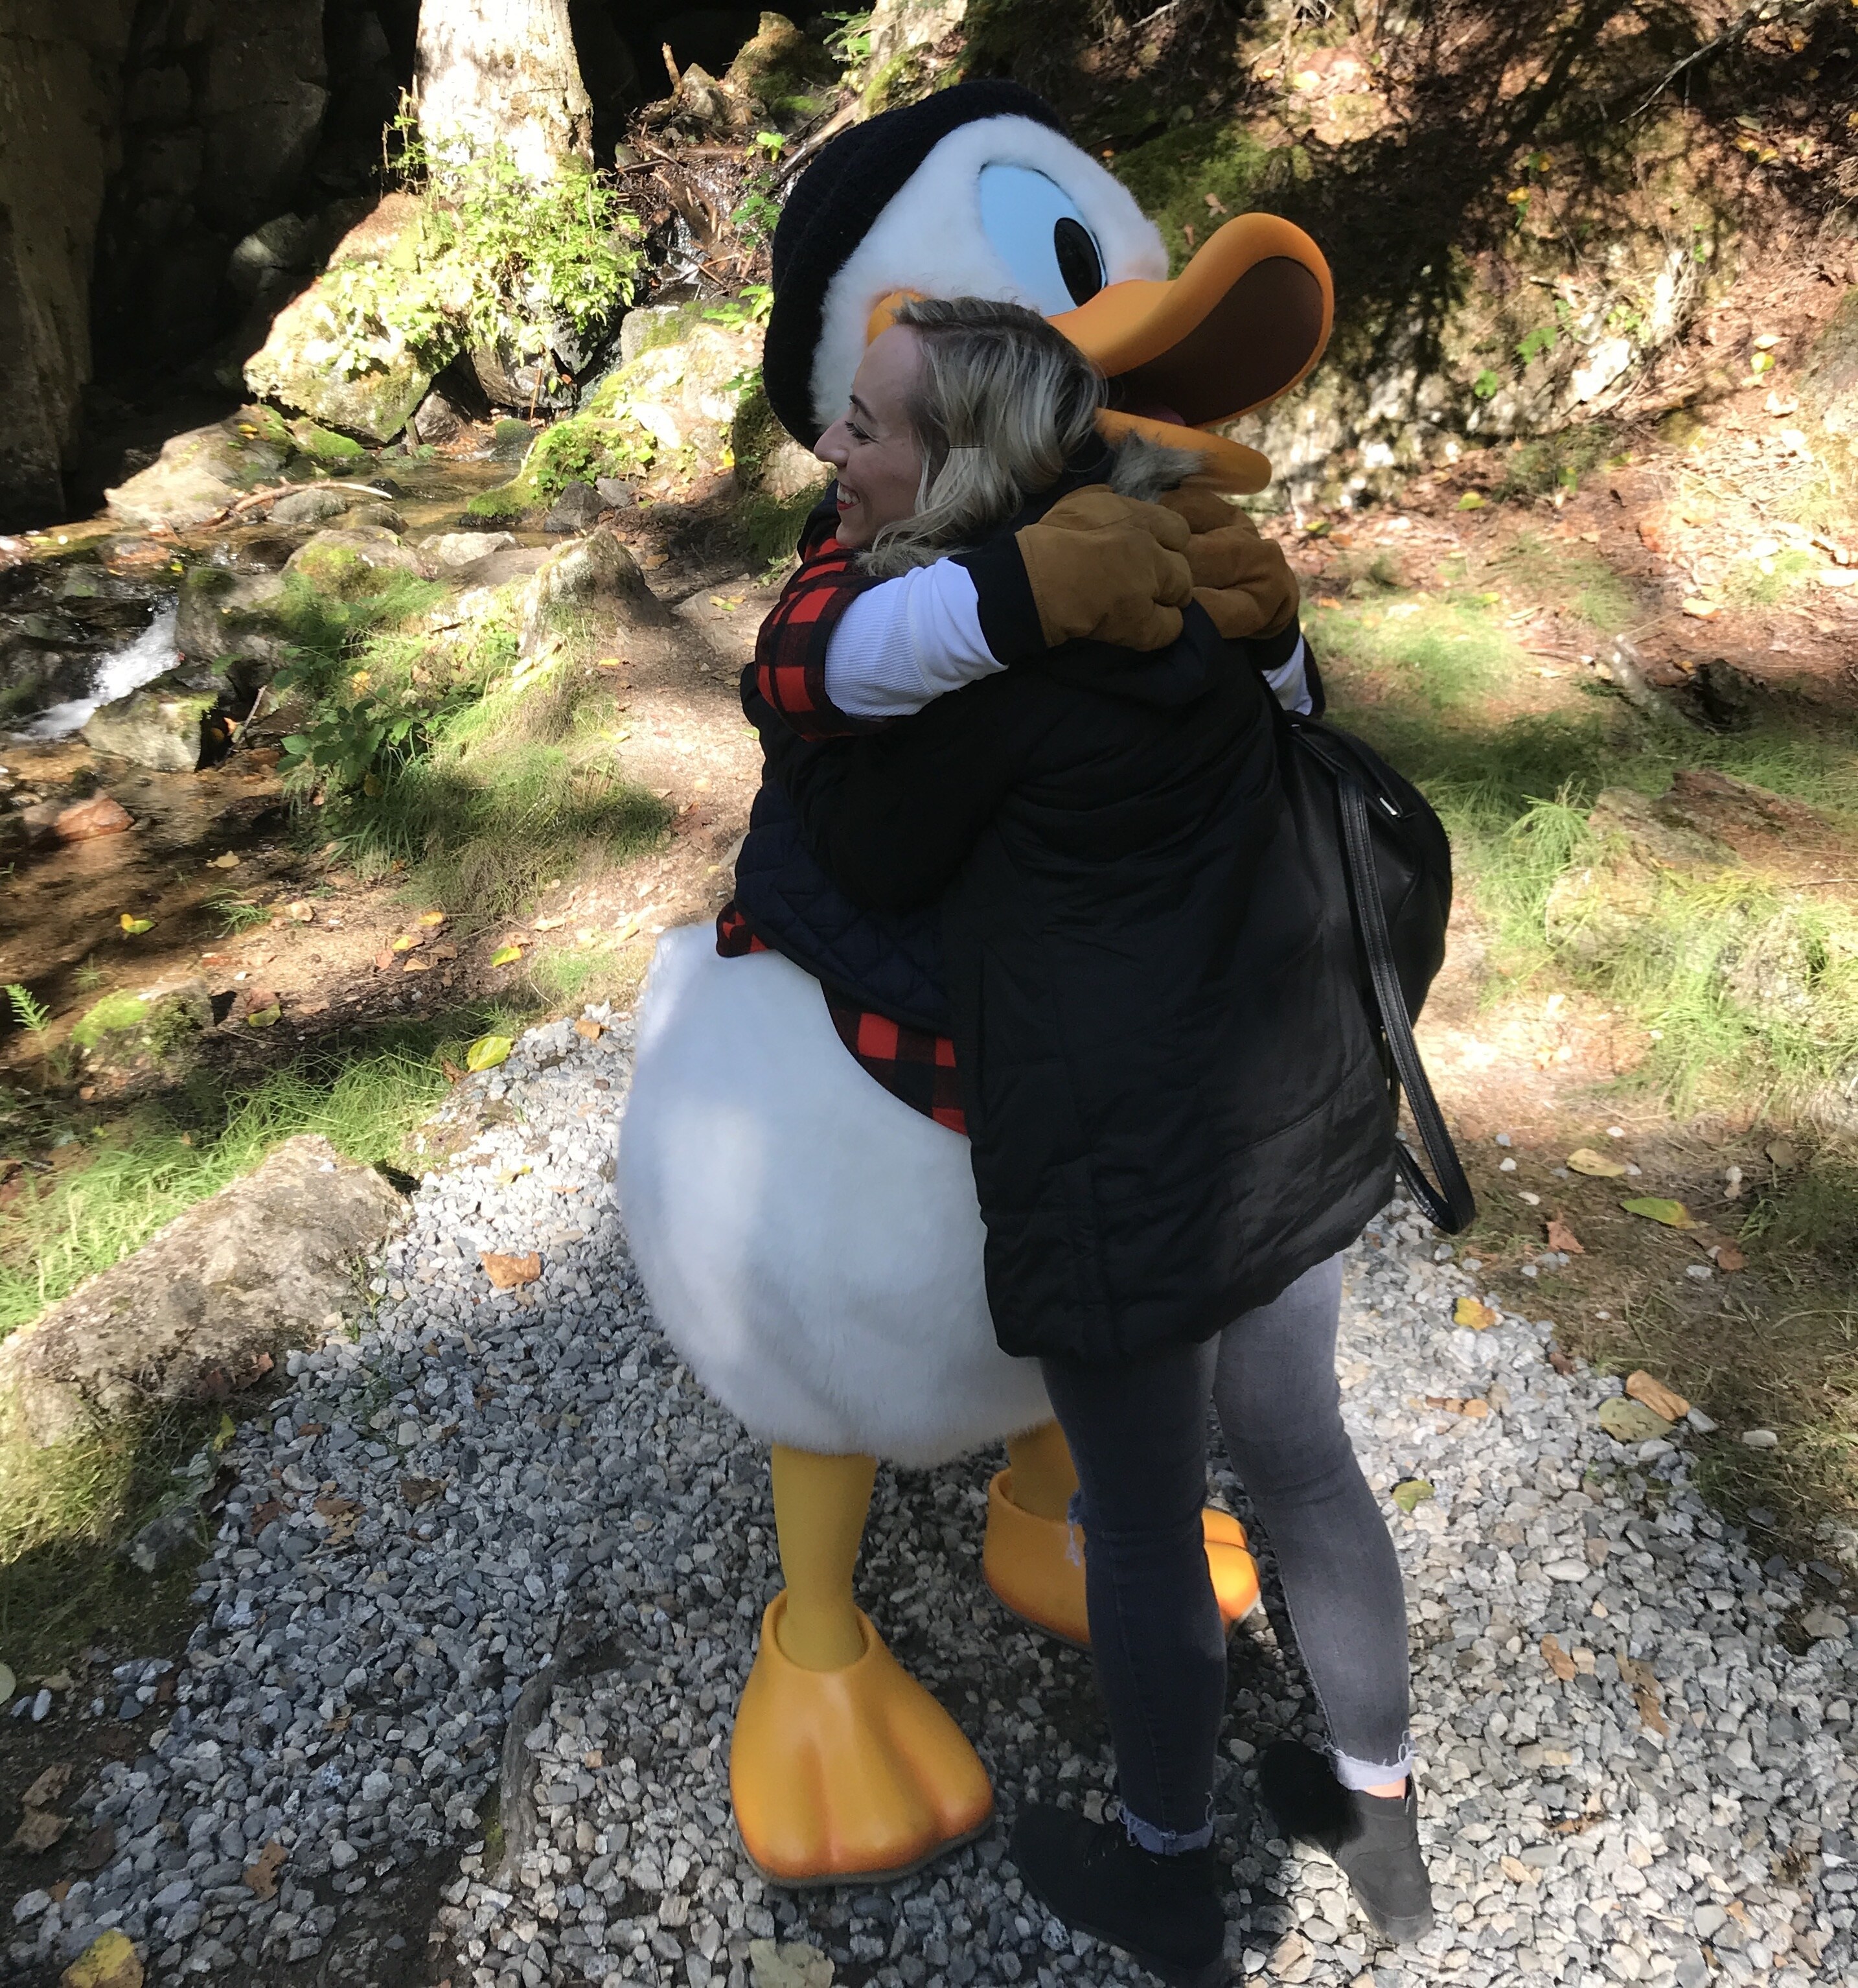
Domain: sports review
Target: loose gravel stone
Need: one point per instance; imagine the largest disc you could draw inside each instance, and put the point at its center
(485, 1478)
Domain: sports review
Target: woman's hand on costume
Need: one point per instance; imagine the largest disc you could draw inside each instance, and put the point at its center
(1096, 565)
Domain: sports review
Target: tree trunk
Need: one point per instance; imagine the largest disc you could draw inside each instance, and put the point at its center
(503, 71)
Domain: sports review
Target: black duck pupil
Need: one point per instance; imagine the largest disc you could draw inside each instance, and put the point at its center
(1079, 263)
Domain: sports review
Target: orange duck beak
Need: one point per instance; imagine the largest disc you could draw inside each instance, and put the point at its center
(1242, 324)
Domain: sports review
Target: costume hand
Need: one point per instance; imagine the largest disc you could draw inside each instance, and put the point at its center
(1108, 568)
(1242, 579)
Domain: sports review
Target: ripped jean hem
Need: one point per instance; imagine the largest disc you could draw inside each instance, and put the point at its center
(1360, 1776)
(1166, 1842)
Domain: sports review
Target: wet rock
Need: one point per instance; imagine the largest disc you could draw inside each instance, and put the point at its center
(270, 253)
(84, 819)
(298, 365)
(221, 615)
(439, 420)
(199, 473)
(163, 725)
(209, 1303)
(578, 506)
(539, 385)
(311, 506)
(457, 549)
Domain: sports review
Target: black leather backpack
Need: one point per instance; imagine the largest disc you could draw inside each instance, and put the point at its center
(1383, 864)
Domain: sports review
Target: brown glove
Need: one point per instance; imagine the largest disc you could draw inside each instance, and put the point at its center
(1242, 580)
(1109, 569)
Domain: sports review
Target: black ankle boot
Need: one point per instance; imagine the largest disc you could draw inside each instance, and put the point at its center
(1163, 1911)
(1374, 1838)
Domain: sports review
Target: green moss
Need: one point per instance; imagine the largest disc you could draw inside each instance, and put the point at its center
(1171, 176)
(508, 500)
(261, 423)
(325, 446)
(586, 448)
(341, 572)
(115, 1015)
(771, 525)
(511, 436)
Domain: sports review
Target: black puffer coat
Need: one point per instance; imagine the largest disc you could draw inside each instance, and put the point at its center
(1175, 1104)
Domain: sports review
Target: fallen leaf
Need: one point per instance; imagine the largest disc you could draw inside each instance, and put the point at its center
(110, 1961)
(1475, 1409)
(1411, 1493)
(445, 952)
(1661, 1400)
(507, 1272)
(1563, 1237)
(1630, 1422)
(1782, 1152)
(1558, 1659)
(1517, 1871)
(488, 1051)
(1645, 1692)
(50, 1785)
(1470, 501)
(262, 1515)
(626, 928)
(506, 955)
(301, 912)
(407, 941)
(331, 1506)
(418, 1491)
(1654, 1208)
(260, 1877)
(264, 1018)
(588, 1030)
(133, 925)
(453, 1074)
(383, 960)
(432, 918)
(416, 966)
(549, 925)
(1475, 1314)
(1700, 610)
(1602, 1166)
(38, 1830)
(1730, 1259)
(228, 861)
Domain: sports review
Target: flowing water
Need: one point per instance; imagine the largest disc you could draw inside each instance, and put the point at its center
(149, 655)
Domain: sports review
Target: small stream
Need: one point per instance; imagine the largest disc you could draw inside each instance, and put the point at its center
(150, 654)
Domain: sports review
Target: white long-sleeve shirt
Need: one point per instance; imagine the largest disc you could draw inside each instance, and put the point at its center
(907, 641)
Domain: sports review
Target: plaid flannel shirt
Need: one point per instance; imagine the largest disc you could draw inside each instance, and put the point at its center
(912, 1064)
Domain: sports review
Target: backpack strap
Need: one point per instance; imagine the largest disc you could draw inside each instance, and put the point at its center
(1450, 1205)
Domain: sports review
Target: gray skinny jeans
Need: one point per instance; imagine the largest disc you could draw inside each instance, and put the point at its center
(1137, 1433)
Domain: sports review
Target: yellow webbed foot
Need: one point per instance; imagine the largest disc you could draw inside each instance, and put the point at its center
(850, 1774)
(1035, 1567)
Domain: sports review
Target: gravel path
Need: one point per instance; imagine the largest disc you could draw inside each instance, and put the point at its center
(502, 1536)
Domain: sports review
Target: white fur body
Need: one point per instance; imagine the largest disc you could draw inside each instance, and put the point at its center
(929, 239)
(811, 1244)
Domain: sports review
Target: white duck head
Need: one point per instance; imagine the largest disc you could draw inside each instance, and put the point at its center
(975, 192)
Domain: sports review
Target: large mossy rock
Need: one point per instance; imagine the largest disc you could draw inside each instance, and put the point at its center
(310, 364)
(127, 1036)
(781, 76)
(353, 563)
(208, 1304)
(199, 473)
(162, 725)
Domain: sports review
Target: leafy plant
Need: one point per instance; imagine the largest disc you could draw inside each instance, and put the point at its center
(848, 39)
(236, 914)
(497, 258)
(1485, 386)
(31, 1015)
(752, 306)
(346, 748)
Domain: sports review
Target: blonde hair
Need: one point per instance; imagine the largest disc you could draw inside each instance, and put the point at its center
(1001, 404)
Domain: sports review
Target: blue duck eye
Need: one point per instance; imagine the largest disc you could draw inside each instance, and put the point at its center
(1036, 229)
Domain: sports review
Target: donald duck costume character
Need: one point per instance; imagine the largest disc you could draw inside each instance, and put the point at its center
(806, 1219)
